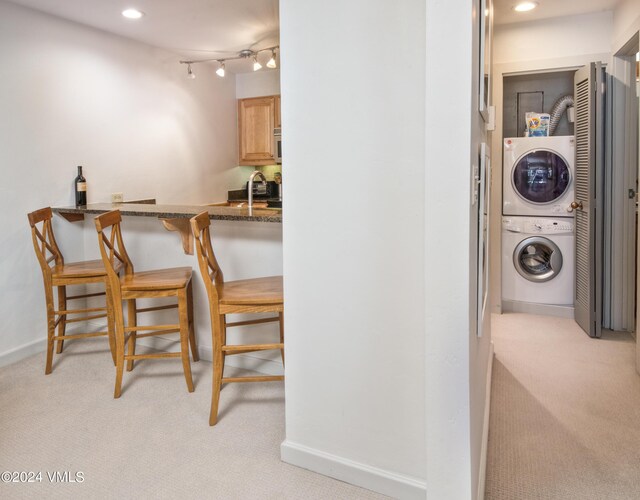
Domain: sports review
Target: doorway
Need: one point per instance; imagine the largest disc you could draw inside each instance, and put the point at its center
(627, 63)
(619, 312)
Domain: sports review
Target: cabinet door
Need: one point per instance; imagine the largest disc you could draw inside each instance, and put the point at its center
(256, 120)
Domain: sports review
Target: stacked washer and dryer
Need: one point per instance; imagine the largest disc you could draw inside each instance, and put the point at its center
(538, 263)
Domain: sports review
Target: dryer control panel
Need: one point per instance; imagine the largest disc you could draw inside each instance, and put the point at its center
(537, 225)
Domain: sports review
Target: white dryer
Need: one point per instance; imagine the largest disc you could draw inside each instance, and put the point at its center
(538, 176)
(538, 260)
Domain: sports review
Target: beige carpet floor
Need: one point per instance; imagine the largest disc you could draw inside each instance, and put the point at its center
(154, 442)
(565, 413)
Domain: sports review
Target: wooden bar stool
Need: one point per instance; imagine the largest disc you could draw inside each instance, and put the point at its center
(173, 282)
(257, 295)
(61, 275)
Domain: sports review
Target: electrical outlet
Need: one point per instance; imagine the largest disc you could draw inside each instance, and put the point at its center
(116, 197)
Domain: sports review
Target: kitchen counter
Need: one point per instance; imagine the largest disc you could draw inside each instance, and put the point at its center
(173, 211)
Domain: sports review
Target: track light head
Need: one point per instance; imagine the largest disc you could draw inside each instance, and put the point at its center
(190, 73)
(220, 70)
(272, 62)
(256, 64)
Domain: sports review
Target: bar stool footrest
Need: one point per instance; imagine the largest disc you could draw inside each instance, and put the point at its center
(266, 378)
(234, 349)
(80, 336)
(153, 356)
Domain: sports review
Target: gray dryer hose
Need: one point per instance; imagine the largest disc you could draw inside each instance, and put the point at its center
(558, 110)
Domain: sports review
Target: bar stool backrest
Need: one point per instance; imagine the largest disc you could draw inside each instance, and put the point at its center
(209, 267)
(44, 241)
(113, 253)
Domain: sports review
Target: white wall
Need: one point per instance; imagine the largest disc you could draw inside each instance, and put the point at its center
(258, 83)
(480, 356)
(72, 96)
(457, 361)
(626, 22)
(555, 38)
(354, 261)
(383, 278)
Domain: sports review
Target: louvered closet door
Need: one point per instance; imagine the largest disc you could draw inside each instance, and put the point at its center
(589, 108)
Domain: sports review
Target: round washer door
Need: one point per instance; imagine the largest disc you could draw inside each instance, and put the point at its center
(540, 176)
(537, 259)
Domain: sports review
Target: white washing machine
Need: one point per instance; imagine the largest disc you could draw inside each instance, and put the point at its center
(538, 176)
(538, 265)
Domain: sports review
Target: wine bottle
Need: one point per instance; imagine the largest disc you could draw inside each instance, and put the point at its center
(81, 188)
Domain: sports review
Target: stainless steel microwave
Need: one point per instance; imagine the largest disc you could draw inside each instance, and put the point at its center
(277, 146)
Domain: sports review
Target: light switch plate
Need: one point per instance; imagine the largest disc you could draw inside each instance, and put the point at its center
(491, 124)
(117, 197)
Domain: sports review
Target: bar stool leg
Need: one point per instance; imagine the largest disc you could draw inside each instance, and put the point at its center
(184, 337)
(224, 342)
(281, 316)
(51, 328)
(192, 334)
(132, 320)
(110, 325)
(119, 361)
(218, 367)
(62, 324)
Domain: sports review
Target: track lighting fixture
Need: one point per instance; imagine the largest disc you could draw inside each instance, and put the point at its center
(243, 54)
(272, 62)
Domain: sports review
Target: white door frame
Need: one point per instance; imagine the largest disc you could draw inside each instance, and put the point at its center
(625, 58)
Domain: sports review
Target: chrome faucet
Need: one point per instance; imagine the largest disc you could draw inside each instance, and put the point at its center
(252, 177)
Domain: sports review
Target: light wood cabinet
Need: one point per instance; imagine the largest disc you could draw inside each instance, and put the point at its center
(257, 117)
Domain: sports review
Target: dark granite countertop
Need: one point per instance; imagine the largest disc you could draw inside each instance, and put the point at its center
(177, 211)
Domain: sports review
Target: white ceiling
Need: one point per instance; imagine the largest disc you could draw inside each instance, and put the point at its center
(201, 29)
(195, 29)
(504, 13)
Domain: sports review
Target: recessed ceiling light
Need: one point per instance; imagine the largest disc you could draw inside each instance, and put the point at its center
(132, 13)
(525, 6)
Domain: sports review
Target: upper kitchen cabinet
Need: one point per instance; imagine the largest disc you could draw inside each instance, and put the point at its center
(257, 117)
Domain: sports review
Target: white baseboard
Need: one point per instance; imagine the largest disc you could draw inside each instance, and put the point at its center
(482, 472)
(24, 351)
(246, 361)
(378, 480)
(541, 309)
